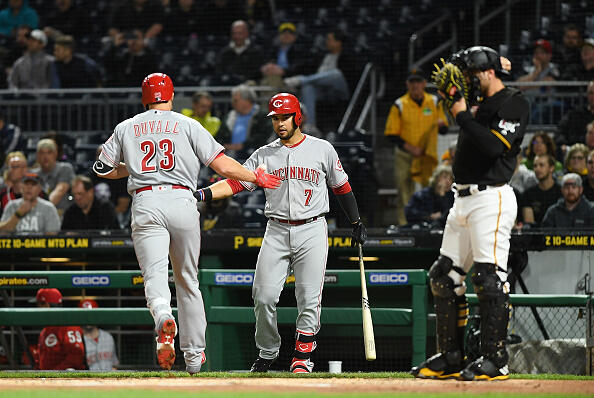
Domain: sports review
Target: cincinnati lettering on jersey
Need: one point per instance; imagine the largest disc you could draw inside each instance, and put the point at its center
(298, 173)
(155, 127)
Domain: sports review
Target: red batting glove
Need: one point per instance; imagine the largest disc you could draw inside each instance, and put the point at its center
(266, 180)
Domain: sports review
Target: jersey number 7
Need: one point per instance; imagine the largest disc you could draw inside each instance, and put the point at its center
(308, 193)
(167, 162)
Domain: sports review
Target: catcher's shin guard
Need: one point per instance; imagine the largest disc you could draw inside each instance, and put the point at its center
(451, 307)
(494, 306)
(305, 344)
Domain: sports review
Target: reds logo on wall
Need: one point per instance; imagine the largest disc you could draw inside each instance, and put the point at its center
(338, 165)
(51, 340)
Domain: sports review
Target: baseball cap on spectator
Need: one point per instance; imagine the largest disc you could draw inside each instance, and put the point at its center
(544, 44)
(415, 75)
(88, 303)
(50, 296)
(572, 178)
(31, 177)
(589, 42)
(287, 26)
(38, 35)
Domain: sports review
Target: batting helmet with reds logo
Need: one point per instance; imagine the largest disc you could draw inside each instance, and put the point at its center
(285, 103)
(156, 87)
(88, 303)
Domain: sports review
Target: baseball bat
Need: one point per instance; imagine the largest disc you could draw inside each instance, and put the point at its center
(368, 338)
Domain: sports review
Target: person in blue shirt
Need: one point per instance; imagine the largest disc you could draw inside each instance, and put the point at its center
(431, 205)
(18, 13)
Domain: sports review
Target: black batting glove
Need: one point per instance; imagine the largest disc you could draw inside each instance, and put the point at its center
(358, 234)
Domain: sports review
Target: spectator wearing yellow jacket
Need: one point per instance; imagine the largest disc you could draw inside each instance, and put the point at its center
(201, 107)
(413, 124)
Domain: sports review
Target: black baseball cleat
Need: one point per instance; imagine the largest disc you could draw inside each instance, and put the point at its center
(261, 365)
(440, 366)
(483, 369)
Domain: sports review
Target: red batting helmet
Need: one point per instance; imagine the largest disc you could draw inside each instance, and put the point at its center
(156, 87)
(88, 303)
(51, 296)
(285, 103)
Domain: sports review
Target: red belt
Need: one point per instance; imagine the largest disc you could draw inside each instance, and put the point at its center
(295, 222)
(150, 188)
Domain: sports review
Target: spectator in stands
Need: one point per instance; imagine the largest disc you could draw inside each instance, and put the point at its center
(584, 71)
(218, 15)
(201, 107)
(30, 213)
(224, 213)
(183, 20)
(87, 211)
(575, 160)
(335, 76)
(60, 347)
(522, 178)
(589, 139)
(568, 53)
(431, 205)
(246, 126)
(541, 144)
(542, 68)
(240, 59)
(256, 11)
(10, 138)
(588, 182)
(15, 169)
(18, 13)
(126, 66)
(99, 344)
(74, 70)
(144, 15)
(16, 46)
(448, 156)
(573, 125)
(55, 176)
(66, 19)
(35, 69)
(413, 125)
(572, 210)
(286, 58)
(536, 200)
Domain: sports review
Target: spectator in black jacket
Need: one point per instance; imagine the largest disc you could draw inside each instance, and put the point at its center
(286, 58)
(74, 70)
(333, 80)
(240, 59)
(432, 204)
(584, 71)
(537, 199)
(145, 15)
(128, 66)
(588, 180)
(66, 19)
(88, 212)
(183, 20)
(572, 127)
(573, 210)
(568, 53)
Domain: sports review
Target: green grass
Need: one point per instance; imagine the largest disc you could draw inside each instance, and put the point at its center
(172, 374)
(223, 375)
(64, 393)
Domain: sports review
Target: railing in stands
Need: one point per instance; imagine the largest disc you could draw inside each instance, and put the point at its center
(416, 38)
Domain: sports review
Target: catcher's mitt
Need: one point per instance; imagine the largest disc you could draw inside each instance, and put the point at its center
(451, 83)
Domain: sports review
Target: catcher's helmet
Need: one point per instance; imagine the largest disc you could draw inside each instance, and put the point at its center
(479, 58)
(285, 103)
(156, 87)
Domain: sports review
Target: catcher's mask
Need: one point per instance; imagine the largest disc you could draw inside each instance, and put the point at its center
(477, 58)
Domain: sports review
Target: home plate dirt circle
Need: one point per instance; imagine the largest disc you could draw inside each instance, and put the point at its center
(308, 384)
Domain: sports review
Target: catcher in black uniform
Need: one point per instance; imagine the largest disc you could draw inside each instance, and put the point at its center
(479, 224)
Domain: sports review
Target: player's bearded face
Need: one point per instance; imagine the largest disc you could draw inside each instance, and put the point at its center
(283, 126)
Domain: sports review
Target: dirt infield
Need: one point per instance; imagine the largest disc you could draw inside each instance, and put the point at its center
(309, 384)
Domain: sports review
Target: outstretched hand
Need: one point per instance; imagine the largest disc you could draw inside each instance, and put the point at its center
(266, 180)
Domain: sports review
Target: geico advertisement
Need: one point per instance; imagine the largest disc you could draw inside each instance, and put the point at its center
(388, 278)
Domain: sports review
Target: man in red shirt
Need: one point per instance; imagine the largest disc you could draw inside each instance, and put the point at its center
(60, 347)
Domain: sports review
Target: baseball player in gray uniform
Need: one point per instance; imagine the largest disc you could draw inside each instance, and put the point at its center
(161, 152)
(296, 235)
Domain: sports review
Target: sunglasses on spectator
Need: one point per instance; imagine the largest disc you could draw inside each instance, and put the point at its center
(577, 157)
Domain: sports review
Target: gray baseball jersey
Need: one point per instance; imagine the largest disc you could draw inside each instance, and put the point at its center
(162, 150)
(101, 353)
(160, 147)
(306, 170)
(43, 217)
(62, 172)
